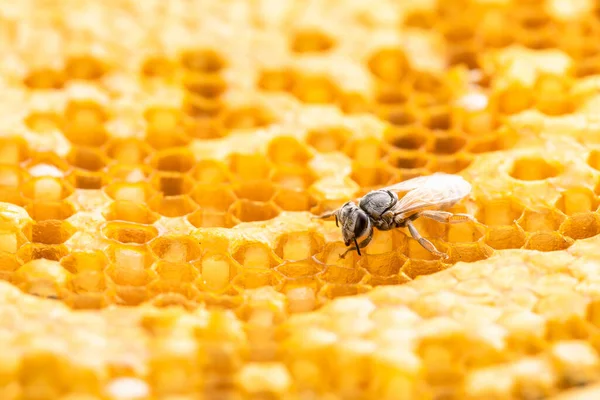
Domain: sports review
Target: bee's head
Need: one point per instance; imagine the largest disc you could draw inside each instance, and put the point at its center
(355, 223)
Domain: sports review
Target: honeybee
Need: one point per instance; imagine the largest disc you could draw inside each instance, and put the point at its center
(427, 196)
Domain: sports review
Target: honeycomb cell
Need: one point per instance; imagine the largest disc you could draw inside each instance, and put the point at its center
(549, 93)
(365, 151)
(332, 291)
(293, 177)
(439, 118)
(217, 272)
(130, 211)
(315, 89)
(50, 231)
(299, 245)
(42, 121)
(202, 60)
(249, 211)
(172, 183)
(514, 99)
(415, 267)
(127, 150)
(208, 85)
(391, 65)
(47, 189)
(212, 197)
(446, 144)
(176, 248)
(13, 150)
(85, 67)
(541, 219)
(129, 233)
(382, 265)
(253, 278)
(172, 206)
(173, 160)
(328, 140)
(256, 255)
(205, 128)
(407, 138)
(276, 80)
(45, 79)
(136, 192)
(402, 115)
(407, 159)
(246, 118)
(37, 251)
(581, 226)
(286, 150)
(248, 167)
(577, 200)
(175, 272)
(294, 200)
(83, 123)
(129, 275)
(310, 41)
(370, 176)
(164, 128)
(50, 210)
(261, 191)
(210, 172)
(43, 278)
(78, 262)
(338, 274)
(206, 218)
(534, 169)
(547, 241)
(157, 66)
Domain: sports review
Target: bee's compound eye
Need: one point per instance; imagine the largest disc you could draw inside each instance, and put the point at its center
(360, 226)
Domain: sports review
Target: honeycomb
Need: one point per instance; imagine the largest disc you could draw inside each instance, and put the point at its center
(162, 162)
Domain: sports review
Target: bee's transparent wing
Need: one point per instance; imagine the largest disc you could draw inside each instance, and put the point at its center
(437, 179)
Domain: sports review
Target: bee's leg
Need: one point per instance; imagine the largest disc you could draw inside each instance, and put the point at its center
(446, 217)
(424, 242)
(364, 243)
(327, 215)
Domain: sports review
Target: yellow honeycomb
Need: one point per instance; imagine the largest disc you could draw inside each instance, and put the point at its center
(161, 164)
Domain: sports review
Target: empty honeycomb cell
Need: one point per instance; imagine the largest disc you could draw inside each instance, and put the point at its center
(534, 169)
(47, 189)
(577, 200)
(287, 150)
(173, 160)
(581, 226)
(11, 178)
(85, 67)
(464, 54)
(499, 211)
(450, 164)
(131, 257)
(51, 231)
(547, 241)
(445, 144)
(88, 282)
(130, 211)
(217, 270)
(210, 172)
(172, 206)
(330, 255)
(382, 265)
(206, 218)
(81, 179)
(136, 192)
(276, 80)
(338, 274)
(214, 197)
(402, 115)
(172, 183)
(374, 175)
(294, 200)
(248, 167)
(310, 41)
(86, 158)
(550, 97)
(253, 278)
(84, 261)
(416, 267)
(365, 151)
(127, 150)
(207, 85)
(428, 82)
(327, 140)
(407, 138)
(202, 60)
(83, 123)
(45, 79)
(176, 248)
(128, 275)
(205, 128)
(249, 211)
(262, 190)
(44, 278)
(332, 291)
(353, 103)
(438, 118)
(129, 233)
(389, 64)
(256, 255)
(541, 219)
(177, 272)
(246, 118)
(514, 98)
(164, 127)
(50, 210)
(395, 95)
(502, 237)
(299, 245)
(157, 66)
(293, 177)
(42, 121)
(315, 89)
(13, 150)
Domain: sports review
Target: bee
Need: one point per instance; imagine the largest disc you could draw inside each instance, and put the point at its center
(426, 196)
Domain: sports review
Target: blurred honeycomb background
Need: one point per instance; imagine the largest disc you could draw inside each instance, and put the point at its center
(161, 162)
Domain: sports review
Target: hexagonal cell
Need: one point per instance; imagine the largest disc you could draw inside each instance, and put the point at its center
(415, 251)
(129, 275)
(11, 238)
(407, 138)
(253, 278)
(389, 64)
(210, 172)
(310, 41)
(172, 206)
(205, 128)
(577, 200)
(157, 66)
(202, 60)
(175, 272)
(86, 158)
(250, 211)
(246, 117)
(83, 261)
(549, 91)
(206, 85)
(291, 270)
(534, 169)
(581, 226)
(369, 176)
(165, 128)
(499, 211)
(468, 252)
(46, 210)
(366, 151)
(382, 265)
(85, 67)
(428, 82)
(217, 271)
(337, 274)
(43, 278)
(88, 282)
(414, 268)
(293, 177)
(299, 245)
(514, 98)
(38, 251)
(589, 66)
(439, 118)
(176, 248)
(200, 107)
(256, 254)
(542, 219)
(43, 122)
(330, 255)
(407, 159)
(130, 256)
(134, 192)
(81, 179)
(327, 140)
(13, 150)
(445, 144)
(464, 233)
(294, 200)
(276, 80)
(593, 159)
(287, 150)
(262, 190)
(248, 167)
(465, 54)
(315, 89)
(353, 103)
(44, 79)
(503, 237)
(214, 197)
(127, 232)
(332, 291)
(130, 211)
(399, 115)
(172, 183)
(83, 123)
(202, 218)
(173, 160)
(547, 241)
(49, 231)
(47, 189)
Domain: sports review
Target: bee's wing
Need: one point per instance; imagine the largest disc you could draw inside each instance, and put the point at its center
(437, 179)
